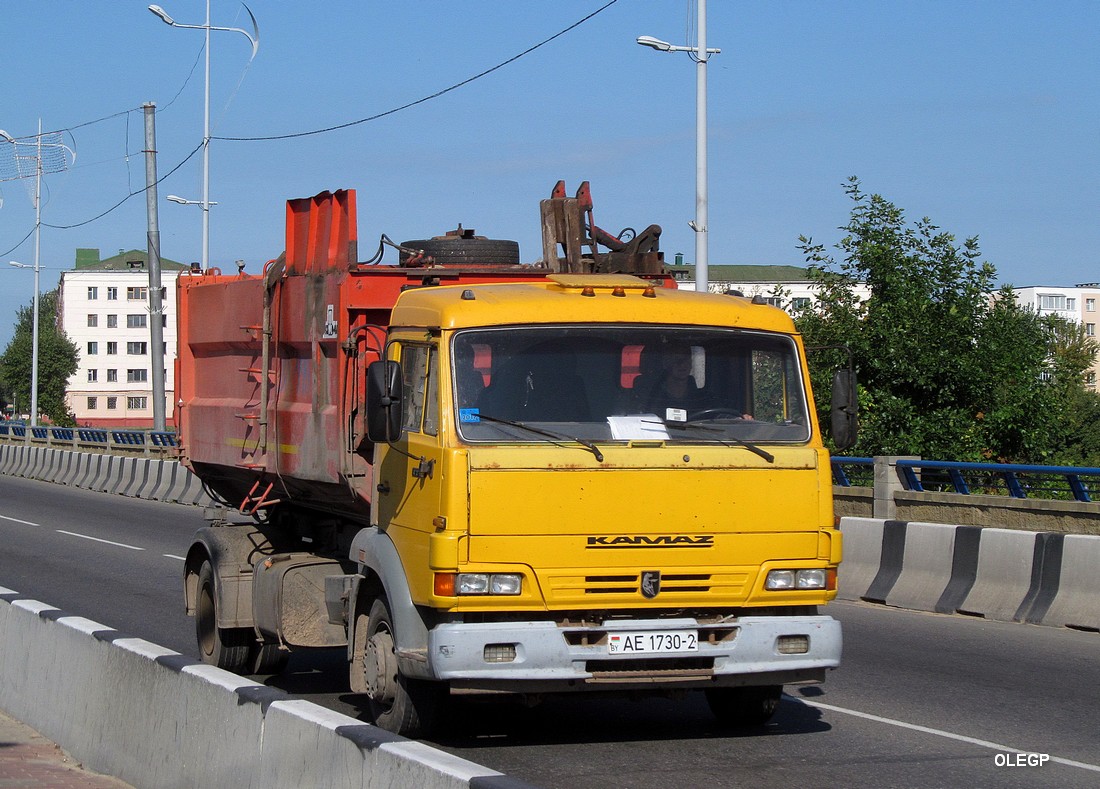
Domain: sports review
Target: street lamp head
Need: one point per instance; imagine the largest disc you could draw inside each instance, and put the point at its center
(655, 43)
(177, 199)
(156, 9)
(6, 136)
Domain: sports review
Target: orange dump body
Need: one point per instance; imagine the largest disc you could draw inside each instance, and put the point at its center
(271, 367)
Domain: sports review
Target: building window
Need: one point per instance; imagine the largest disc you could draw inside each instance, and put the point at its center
(135, 322)
(800, 303)
(93, 321)
(112, 321)
(137, 376)
(112, 376)
(112, 294)
(1090, 305)
(93, 293)
(137, 294)
(1051, 301)
(112, 348)
(93, 402)
(1090, 329)
(112, 403)
(136, 403)
(1090, 380)
(93, 376)
(93, 348)
(137, 348)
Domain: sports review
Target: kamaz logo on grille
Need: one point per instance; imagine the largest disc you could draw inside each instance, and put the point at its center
(660, 541)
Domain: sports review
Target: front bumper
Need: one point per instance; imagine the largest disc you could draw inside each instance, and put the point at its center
(550, 657)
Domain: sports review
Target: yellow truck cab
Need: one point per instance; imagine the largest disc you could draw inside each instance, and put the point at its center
(589, 483)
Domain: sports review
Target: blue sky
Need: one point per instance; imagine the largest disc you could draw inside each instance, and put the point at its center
(984, 116)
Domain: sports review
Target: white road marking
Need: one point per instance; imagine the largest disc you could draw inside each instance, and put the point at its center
(173, 556)
(16, 520)
(97, 539)
(940, 733)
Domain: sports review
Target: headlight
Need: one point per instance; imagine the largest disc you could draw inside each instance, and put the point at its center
(796, 579)
(488, 583)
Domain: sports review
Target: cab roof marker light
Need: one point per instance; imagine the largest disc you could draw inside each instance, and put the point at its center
(618, 291)
(650, 292)
(588, 290)
(468, 295)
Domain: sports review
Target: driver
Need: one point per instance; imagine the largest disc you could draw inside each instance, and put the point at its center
(672, 386)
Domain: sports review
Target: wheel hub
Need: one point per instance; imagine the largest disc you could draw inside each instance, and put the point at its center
(380, 668)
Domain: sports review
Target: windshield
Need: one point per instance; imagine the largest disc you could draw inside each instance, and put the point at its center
(626, 383)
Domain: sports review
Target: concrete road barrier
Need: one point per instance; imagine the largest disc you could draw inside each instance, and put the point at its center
(925, 566)
(156, 719)
(1076, 603)
(1003, 574)
(1008, 575)
(862, 556)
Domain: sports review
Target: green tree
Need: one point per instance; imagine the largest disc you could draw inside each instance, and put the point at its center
(57, 360)
(945, 371)
(1070, 354)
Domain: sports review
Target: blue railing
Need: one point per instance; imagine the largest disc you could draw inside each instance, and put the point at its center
(996, 479)
(98, 438)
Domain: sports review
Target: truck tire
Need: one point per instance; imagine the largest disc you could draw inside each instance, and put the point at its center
(744, 707)
(404, 706)
(267, 658)
(223, 647)
(457, 251)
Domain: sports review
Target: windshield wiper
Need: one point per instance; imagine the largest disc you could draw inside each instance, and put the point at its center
(547, 433)
(768, 456)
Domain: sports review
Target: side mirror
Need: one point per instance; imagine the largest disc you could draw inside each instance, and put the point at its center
(383, 401)
(845, 409)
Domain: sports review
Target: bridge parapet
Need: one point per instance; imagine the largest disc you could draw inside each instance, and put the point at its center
(999, 495)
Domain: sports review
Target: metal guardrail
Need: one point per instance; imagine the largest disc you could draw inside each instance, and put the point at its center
(993, 479)
(129, 442)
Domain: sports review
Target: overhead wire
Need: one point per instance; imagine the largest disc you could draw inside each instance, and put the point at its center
(293, 135)
(424, 99)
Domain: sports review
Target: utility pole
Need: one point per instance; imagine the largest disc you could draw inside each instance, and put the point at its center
(156, 306)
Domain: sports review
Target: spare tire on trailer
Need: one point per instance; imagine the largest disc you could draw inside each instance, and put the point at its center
(460, 250)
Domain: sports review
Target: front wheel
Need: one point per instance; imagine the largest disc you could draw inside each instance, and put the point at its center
(224, 647)
(744, 707)
(398, 704)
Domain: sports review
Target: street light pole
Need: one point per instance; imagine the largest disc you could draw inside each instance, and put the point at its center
(700, 54)
(254, 38)
(37, 253)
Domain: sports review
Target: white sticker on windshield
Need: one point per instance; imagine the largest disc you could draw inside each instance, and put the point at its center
(676, 415)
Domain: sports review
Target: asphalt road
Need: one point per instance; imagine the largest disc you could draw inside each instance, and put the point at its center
(921, 700)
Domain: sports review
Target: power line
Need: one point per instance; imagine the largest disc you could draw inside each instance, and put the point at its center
(127, 197)
(436, 95)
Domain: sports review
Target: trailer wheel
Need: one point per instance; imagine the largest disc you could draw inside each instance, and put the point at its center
(224, 647)
(744, 707)
(404, 706)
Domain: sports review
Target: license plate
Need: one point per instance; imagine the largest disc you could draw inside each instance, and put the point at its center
(652, 642)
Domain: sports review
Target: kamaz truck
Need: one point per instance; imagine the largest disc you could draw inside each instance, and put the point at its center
(493, 478)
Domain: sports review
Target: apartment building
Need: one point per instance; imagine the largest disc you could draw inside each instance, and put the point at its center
(786, 287)
(105, 311)
(1077, 305)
